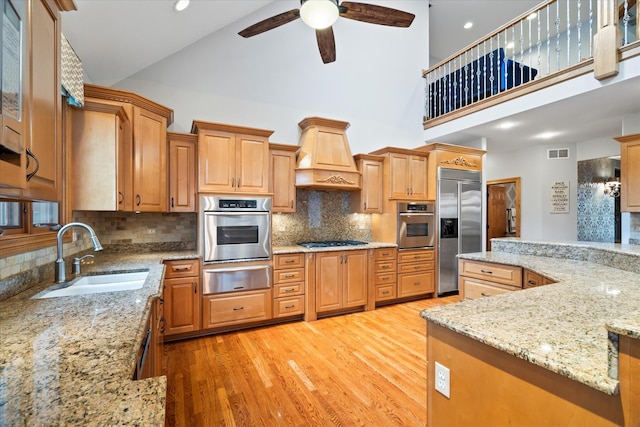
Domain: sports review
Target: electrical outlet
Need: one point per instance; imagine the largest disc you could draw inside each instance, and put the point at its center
(443, 378)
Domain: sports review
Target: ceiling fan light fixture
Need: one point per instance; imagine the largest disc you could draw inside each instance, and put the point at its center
(319, 14)
(180, 5)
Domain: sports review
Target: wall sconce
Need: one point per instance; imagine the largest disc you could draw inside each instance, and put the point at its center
(612, 186)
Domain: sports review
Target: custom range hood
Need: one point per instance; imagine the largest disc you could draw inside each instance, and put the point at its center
(324, 158)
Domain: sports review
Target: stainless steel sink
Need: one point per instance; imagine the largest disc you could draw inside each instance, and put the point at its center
(101, 283)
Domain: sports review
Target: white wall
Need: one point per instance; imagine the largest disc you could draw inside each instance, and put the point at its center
(376, 83)
(536, 173)
(596, 148)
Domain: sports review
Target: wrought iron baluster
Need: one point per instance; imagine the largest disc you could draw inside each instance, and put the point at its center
(557, 35)
(590, 28)
(539, 41)
(579, 26)
(491, 66)
(568, 33)
(466, 78)
(548, 41)
(625, 22)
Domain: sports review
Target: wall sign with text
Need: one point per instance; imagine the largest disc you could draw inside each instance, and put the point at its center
(559, 197)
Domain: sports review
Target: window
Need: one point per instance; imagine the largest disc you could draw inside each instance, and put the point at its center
(27, 225)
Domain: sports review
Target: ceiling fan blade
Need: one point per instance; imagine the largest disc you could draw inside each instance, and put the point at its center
(270, 23)
(326, 44)
(374, 14)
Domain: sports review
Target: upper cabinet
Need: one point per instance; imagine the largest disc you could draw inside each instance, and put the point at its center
(119, 154)
(405, 172)
(449, 156)
(232, 158)
(282, 177)
(182, 172)
(369, 198)
(31, 141)
(629, 172)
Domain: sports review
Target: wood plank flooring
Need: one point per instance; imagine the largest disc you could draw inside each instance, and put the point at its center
(360, 369)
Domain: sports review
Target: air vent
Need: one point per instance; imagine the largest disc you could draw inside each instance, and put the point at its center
(558, 153)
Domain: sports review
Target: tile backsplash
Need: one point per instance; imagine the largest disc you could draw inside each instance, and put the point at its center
(321, 215)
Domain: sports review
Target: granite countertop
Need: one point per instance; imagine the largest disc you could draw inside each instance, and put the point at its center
(279, 250)
(70, 360)
(569, 327)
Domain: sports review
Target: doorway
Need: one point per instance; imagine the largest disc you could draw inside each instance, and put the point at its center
(503, 208)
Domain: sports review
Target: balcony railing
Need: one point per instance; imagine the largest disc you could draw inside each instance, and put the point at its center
(555, 38)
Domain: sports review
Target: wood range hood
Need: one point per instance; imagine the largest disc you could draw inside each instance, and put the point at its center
(324, 160)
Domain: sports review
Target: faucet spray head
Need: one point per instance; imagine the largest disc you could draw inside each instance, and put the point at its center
(96, 243)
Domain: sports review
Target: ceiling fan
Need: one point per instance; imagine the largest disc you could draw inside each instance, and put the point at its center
(321, 14)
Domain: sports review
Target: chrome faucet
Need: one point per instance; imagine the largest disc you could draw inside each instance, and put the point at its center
(60, 266)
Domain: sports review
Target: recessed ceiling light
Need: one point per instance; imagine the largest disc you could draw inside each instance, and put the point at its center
(468, 25)
(180, 5)
(506, 125)
(547, 135)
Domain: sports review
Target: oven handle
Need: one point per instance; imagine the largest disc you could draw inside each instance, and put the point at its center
(415, 214)
(232, 269)
(237, 213)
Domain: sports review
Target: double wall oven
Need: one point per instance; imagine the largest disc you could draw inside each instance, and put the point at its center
(235, 229)
(416, 225)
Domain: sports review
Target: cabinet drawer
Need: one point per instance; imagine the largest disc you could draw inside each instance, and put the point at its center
(415, 284)
(385, 292)
(385, 278)
(418, 266)
(241, 307)
(288, 261)
(382, 266)
(182, 268)
(415, 256)
(292, 306)
(288, 289)
(499, 273)
(473, 288)
(384, 254)
(533, 280)
(288, 276)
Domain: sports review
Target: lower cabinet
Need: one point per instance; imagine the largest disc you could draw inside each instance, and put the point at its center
(341, 280)
(149, 358)
(288, 285)
(182, 296)
(531, 279)
(482, 279)
(236, 308)
(384, 274)
(416, 274)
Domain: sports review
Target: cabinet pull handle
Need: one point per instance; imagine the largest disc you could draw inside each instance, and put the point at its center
(181, 268)
(385, 267)
(163, 324)
(416, 283)
(292, 204)
(532, 282)
(385, 292)
(238, 287)
(417, 267)
(385, 278)
(32, 174)
(287, 276)
(121, 197)
(485, 295)
(289, 306)
(195, 288)
(238, 308)
(365, 206)
(233, 182)
(486, 271)
(238, 182)
(289, 260)
(172, 202)
(138, 200)
(289, 290)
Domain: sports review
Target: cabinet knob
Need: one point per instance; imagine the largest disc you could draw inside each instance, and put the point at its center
(532, 283)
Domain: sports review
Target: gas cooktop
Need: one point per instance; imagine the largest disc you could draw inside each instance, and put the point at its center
(331, 243)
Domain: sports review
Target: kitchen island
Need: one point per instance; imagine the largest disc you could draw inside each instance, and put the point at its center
(567, 353)
(70, 360)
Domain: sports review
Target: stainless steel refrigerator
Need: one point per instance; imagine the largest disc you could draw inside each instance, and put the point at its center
(459, 222)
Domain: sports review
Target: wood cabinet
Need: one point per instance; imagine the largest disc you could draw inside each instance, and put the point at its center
(232, 158)
(416, 274)
(182, 296)
(369, 198)
(405, 173)
(288, 285)
(383, 275)
(482, 279)
(282, 177)
(131, 131)
(149, 358)
(531, 279)
(236, 308)
(341, 280)
(629, 172)
(182, 172)
(449, 156)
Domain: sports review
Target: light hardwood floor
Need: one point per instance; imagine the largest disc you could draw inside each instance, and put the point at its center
(366, 368)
